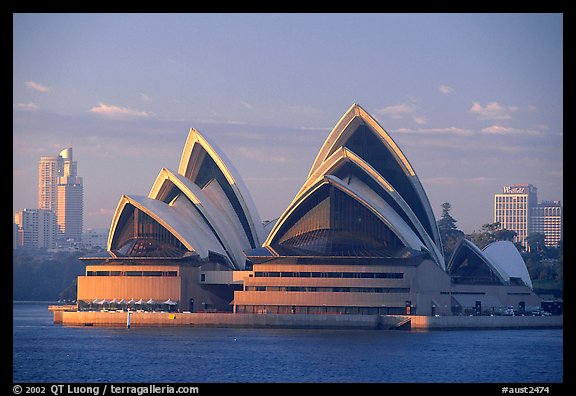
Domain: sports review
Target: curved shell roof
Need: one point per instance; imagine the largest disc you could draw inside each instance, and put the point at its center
(186, 225)
(508, 260)
(219, 217)
(383, 180)
(196, 149)
(501, 257)
(206, 206)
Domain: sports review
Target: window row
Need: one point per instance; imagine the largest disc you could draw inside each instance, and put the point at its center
(131, 273)
(355, 275)
(330, 289)
(293, 309)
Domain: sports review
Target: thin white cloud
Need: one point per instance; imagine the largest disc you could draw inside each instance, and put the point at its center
(398, 111)
(445, 89)
(113, 111)
(36, 86)
(502, 130)
(144, 97)
(403, 111)
(492, 111)
(246, 105)
(30, 106)
(430, 131)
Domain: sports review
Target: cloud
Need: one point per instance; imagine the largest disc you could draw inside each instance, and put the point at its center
(246, 105)
(107, 110)
(448, 131)
(30, 106)
(492, 111)
(502, 130)
(36, 87)
(445, 89)
(404, 110)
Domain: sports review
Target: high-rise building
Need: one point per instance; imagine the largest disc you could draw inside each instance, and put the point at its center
(36, 228)
(49, 169)
(61, 190)
(547, 220)
(517, 209)
(512, 209)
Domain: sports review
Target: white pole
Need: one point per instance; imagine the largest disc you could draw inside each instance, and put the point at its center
(128, 320)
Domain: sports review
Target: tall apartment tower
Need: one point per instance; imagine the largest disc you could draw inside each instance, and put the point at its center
(517, 209)
(513, 208)
(61, 190)
(36, 228)
(547, 220)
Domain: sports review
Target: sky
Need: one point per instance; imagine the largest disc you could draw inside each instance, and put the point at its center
(475, 101)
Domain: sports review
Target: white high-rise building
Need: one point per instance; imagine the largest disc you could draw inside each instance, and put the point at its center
(547, 220)
(517, 209)
(36, 228)
(62, 191)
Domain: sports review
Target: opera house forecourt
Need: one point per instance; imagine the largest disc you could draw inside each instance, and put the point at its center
(358, 246)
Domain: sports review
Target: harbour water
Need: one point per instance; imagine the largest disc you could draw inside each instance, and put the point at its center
(44, 352)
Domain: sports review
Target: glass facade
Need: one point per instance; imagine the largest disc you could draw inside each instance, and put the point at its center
(331, 223)
(364, 142)
(139, 235)
(468, 267)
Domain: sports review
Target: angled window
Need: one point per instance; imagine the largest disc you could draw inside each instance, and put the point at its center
(360, 133)
(331, 223)
(139, 235)
(470, 266)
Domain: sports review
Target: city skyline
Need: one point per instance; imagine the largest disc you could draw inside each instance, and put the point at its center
(474, 100)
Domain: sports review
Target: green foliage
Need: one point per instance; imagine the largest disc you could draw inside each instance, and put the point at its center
(449, 233)
(545, 264)
(490, 232)
(42, 276)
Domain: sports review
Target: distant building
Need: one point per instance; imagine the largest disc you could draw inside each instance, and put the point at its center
(36, 228)
(512, 209)
(95, 238)
(547, 220)
(61, 190)
(517, 209)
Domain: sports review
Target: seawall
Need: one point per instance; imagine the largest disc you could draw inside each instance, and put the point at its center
(320, 321)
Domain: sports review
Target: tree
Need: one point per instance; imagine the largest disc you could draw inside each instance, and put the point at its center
(535, 242)
(447, 223)
(491, 232)
(449, 233)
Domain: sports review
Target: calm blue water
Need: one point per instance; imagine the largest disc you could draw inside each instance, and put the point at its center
(43, 352)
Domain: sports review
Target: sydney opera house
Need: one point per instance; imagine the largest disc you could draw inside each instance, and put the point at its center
(359, 237)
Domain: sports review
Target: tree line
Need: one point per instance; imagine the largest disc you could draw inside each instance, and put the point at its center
(39, 275)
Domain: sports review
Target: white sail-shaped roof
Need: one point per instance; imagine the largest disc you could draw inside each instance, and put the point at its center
(344, 156)
(362, 134)
(508, 260)
(202, 161)
(178, 218)
(214, 209)
(468, 261)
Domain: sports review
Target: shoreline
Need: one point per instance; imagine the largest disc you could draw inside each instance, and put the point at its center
(300, 321)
